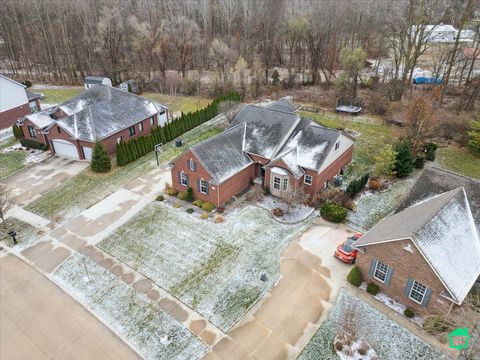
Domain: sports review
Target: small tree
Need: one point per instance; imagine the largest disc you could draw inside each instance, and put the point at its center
(385, 161)
(17, 132)
(352, 62)
(100, 159)
(474, 136)
(294, 197)
(404, 160)
(275, 77)
(419, 120)
(5, 202)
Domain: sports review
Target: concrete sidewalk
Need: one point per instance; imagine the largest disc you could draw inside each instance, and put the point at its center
(39, 321)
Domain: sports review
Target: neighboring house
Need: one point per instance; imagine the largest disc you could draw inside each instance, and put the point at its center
(130, 85)
(15, 101)
(100, 113)
(278, 149)
(426, 256)
(439, 33)
(96, 80)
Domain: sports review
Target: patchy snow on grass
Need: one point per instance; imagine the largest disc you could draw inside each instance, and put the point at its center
(386, 337)
(32, 155)
(154, 333)
(296, 214)
(26, 233)
(214, 268)
(352, 352)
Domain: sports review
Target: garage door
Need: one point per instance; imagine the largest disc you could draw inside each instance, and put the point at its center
(87, 152)
(65, 148)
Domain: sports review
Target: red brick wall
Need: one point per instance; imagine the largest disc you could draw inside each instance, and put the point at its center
(332, 170)
(40, 137)
(259, 159)
(406, 265)
(9, 117)
(236, 184)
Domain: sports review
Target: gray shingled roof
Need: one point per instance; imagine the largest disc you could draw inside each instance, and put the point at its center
(32, 96)
(94, 79)
(99, 112)
(443, 229)
(222, 155)
(282, 105)
(266, 129)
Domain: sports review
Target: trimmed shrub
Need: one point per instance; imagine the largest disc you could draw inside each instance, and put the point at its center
(333, 212)
(198, 203)
(373, 289)
(182, 196)
(278, 212)
(190, 210)
(172, 192)
(354, 277)
(189, 194)
(17, 132)
(33, 144)
(357, 185)
(409, 313)
(176, 205)
(419, 162)
(160, 198)
(217, 219)
(208, 206)
(101, 161)
(204, 216)
(430, 149)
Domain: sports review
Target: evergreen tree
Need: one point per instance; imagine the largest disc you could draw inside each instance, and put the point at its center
(404, 160)
(100, 159)
(17, 132)
(474, 136)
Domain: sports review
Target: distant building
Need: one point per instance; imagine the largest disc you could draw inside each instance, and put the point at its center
(130, 86)
(15, 101)
(96, 80)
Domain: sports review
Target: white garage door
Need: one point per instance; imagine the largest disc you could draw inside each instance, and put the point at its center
(87, 152)
(65, 148)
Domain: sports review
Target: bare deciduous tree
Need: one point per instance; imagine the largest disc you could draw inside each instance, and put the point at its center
(5, 202)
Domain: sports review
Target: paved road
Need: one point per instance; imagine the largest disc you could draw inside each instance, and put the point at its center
(39, 321)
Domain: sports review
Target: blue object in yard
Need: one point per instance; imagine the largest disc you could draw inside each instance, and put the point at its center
(427, 80)
(178, 143)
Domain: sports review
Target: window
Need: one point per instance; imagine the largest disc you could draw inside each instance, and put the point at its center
(203, 187)
(119, 139)
(285, 184)
(140, 126)
(380, 272)
(325, 185)
(152, 120)
(191, 165)
(131, 130)
(59, 130)
(31, 131)
(276, 183)
(417, 292)
(184, 179)
(33, 106)
(337, 145)
(308, 179)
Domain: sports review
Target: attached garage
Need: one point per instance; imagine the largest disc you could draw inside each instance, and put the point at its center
(87, 152)
(65, 148)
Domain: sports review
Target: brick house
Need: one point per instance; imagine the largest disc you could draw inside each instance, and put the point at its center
(99, 113)
(269, 145)
(15, 101)
(426, 256)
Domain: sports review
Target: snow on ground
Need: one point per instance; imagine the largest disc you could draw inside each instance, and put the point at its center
(26, 234)
(214, 268)
(351, 352)
(33, 156)
(387, 338)
(154, 333)
(296, 214)
(373, 207)
(5, 134)
(394, 305)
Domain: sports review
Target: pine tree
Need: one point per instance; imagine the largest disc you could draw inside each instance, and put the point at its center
(474, 136)
(404, 159)
(17, 132)
(100, 159)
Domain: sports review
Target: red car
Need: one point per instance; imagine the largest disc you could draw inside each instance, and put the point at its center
(345, 252)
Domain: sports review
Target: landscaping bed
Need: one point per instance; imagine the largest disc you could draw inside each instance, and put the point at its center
(154, 333)
(214, 268)
(387, 338)
(294, 215)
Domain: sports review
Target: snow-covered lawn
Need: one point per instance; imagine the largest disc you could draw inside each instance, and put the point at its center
(296, 214)
(32, 156)
(373, 207)
(154, 333)
(214, 268)
(26, 234)
(387, 338)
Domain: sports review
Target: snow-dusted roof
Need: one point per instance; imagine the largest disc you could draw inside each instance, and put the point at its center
(282, 105)
(94, 79)
(40, 119)
(444, 231)
(32, 96)
(222, 155)
(98, 112)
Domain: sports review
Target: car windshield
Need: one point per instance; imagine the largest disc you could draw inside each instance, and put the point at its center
(347, 246)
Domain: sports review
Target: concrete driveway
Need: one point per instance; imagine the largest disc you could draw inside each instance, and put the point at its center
(39, 321)
(282, 324)
(36, 180)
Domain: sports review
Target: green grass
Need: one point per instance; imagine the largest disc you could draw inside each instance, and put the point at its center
(11, 162)
(26, 234)
(174, 103)
(87, 188)
(459, 160)
(373, 135)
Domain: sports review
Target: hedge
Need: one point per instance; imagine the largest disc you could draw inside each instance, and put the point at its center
(129, 151)
(357, 185)
(373, 289)
(354, 277)
(17, 132)
(33, 144)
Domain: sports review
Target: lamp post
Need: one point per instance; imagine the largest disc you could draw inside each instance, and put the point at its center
(13, 234)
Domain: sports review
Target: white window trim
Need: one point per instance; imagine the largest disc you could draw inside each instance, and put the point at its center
(279, 183)
(381, 271)
(183, 177)
(305, 180)
(284, 184)
(411, 290)
(152, 120)
(191, 165)
(119, 139)
(140, 126)
(32, 131)
(206, 186)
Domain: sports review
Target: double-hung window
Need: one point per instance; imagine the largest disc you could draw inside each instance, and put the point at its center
(381, 271)
(203, 186)
(276, 183)
(152, 120)
(31, 131)
(417, 292)
(285, 184)
(184, 179)
(308, 179)
(140, 127)
(131, 130)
